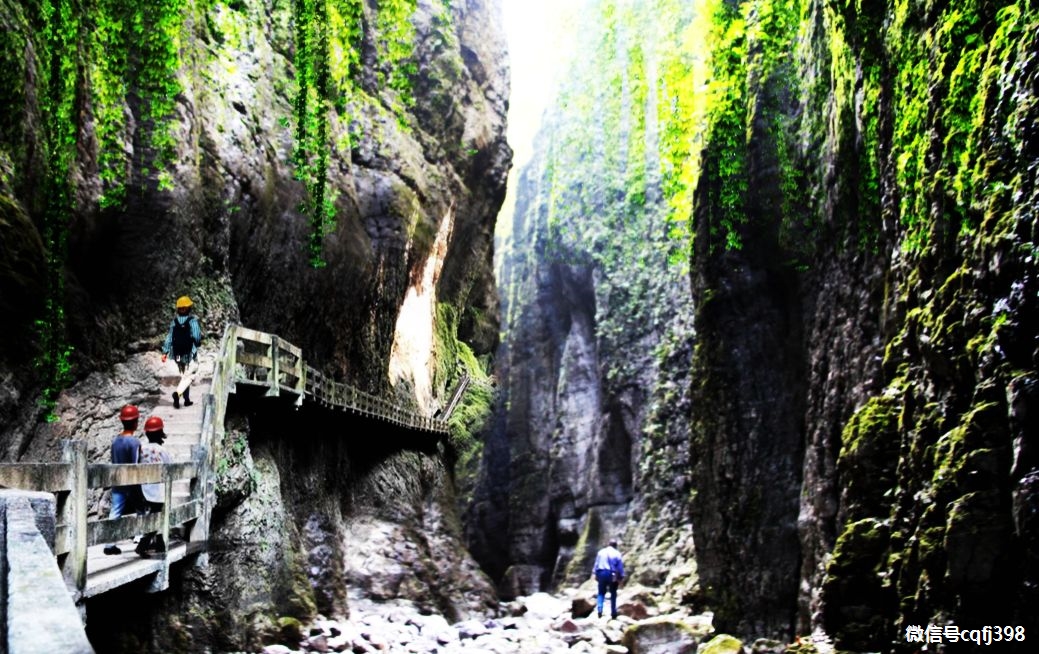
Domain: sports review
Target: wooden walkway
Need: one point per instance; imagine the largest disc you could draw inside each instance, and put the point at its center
(183, 429)
(245, 357)
(267, 361)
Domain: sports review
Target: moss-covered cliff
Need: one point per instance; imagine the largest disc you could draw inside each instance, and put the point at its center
(305, 168)
(138, 168)
(853, 438)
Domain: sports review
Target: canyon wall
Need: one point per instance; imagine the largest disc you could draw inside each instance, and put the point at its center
(297, 168)
(590, 436)
(845, 430)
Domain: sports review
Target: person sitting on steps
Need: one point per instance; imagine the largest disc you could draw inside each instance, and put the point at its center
(154, 494)
(182, 342)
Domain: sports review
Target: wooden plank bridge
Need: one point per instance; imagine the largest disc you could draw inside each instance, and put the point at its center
(246, 357)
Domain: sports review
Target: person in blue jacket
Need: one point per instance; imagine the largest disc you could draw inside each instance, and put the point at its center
(609, 572)
(182, 343)
(126, 448)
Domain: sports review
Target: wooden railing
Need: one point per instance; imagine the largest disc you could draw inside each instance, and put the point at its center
(245, 356)
(268, 361)
(73, 478)
(463, 384)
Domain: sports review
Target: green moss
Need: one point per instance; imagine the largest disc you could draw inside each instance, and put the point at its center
(12, 91)
(290, 630)
(986, 340)
(587, 544)
(454, 359)
(975, 432)
(722, 644)
(949, 84)
(856, 587)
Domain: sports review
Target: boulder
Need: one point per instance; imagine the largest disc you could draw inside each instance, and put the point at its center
(663, 635)
(543, 605)
(634, 609)
(723, 644)
(582, 606)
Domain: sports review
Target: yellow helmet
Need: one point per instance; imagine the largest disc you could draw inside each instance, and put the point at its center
(184, 302)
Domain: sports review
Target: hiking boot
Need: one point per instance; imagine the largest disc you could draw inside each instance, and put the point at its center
(176, 400)
(187, 397)
(157, 545)
(112, 549)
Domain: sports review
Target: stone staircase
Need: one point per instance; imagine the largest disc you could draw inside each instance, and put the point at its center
(184, 425)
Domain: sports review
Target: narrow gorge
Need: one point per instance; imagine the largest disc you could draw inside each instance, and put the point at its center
(750, 287)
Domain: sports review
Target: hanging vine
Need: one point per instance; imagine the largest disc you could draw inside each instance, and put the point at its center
(59, 75)
(312, 108)
(396, 52)
(134, 53)
(328, 37)
(111, 48)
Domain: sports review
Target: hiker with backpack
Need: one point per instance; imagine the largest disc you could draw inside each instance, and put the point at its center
(182, 343)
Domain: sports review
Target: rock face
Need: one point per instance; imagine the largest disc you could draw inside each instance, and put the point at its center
(848, 440)
(594, 371)
(225, 210)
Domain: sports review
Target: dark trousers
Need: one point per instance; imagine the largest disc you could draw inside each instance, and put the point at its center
(606, 582)
(152, 541)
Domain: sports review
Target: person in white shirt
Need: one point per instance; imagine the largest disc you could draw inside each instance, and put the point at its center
(154, 494)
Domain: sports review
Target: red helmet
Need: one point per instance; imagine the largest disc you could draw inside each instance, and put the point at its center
(129, 412)
(153, 424)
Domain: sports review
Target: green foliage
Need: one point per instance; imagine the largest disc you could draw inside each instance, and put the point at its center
(112, 48)
(311, 151)
(725, 165)
(707, 110)
(679, 139)
(942, 141)
(396, 43)
(470, 416)
(328, 36)
(611, 150)
(455, 359)
(134, 51)
(60, 31)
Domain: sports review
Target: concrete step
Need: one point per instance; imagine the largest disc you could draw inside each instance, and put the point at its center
(180, 452)
(185, 430)
(181, 435)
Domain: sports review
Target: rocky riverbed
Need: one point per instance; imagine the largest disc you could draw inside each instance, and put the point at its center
(536, 624)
